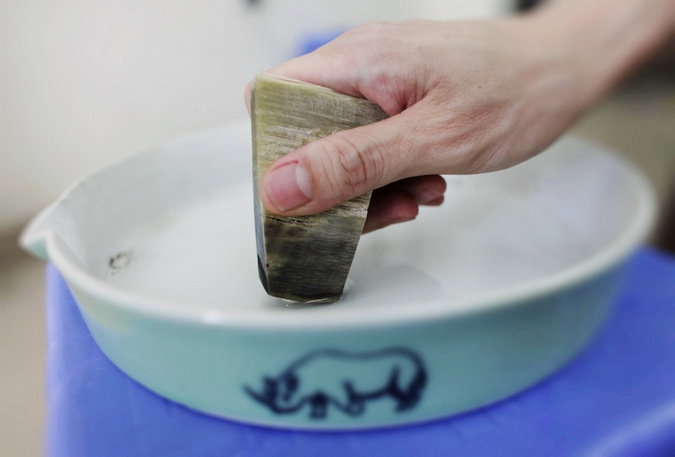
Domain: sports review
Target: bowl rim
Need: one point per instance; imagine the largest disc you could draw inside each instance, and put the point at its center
(331, 317)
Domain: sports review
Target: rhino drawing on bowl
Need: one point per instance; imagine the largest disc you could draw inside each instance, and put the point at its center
(346, 381)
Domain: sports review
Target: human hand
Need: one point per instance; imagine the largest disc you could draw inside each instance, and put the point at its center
(462, 98)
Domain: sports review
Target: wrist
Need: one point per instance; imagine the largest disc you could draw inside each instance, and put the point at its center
(569, 54)
(604, 41)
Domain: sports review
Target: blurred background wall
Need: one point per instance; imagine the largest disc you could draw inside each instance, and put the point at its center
(87, 82)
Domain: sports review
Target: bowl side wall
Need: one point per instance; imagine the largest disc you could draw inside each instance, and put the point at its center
(224, 372)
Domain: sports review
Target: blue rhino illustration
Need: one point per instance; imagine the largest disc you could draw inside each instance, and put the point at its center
(345, 381)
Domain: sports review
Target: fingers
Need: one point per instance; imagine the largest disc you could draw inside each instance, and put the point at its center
(400, 201)
(319, 67)
(389, 207)
(337, 168)
(426, 190)
(347, 66)
(323, 69)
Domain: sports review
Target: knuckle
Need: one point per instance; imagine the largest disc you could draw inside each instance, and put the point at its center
(355, 166)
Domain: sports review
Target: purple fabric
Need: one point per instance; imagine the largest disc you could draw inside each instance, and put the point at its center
(617, 399)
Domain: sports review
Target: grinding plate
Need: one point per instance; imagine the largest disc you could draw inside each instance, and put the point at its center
(470, 303)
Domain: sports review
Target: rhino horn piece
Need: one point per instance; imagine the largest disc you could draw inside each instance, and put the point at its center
(304, 258)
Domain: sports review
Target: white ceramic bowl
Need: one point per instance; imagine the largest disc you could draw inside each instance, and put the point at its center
(470, 303)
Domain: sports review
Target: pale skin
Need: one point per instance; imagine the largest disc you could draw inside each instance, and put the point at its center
(463, 97)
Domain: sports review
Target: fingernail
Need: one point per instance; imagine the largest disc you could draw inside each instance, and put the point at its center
(288, 186)
(428, 195)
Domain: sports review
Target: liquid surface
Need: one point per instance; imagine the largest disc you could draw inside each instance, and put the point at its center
(476, 243)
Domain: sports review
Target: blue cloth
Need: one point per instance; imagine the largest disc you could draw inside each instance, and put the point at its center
(617, 399)
(312, 42)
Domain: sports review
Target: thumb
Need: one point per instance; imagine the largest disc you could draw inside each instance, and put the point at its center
(342, 166)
